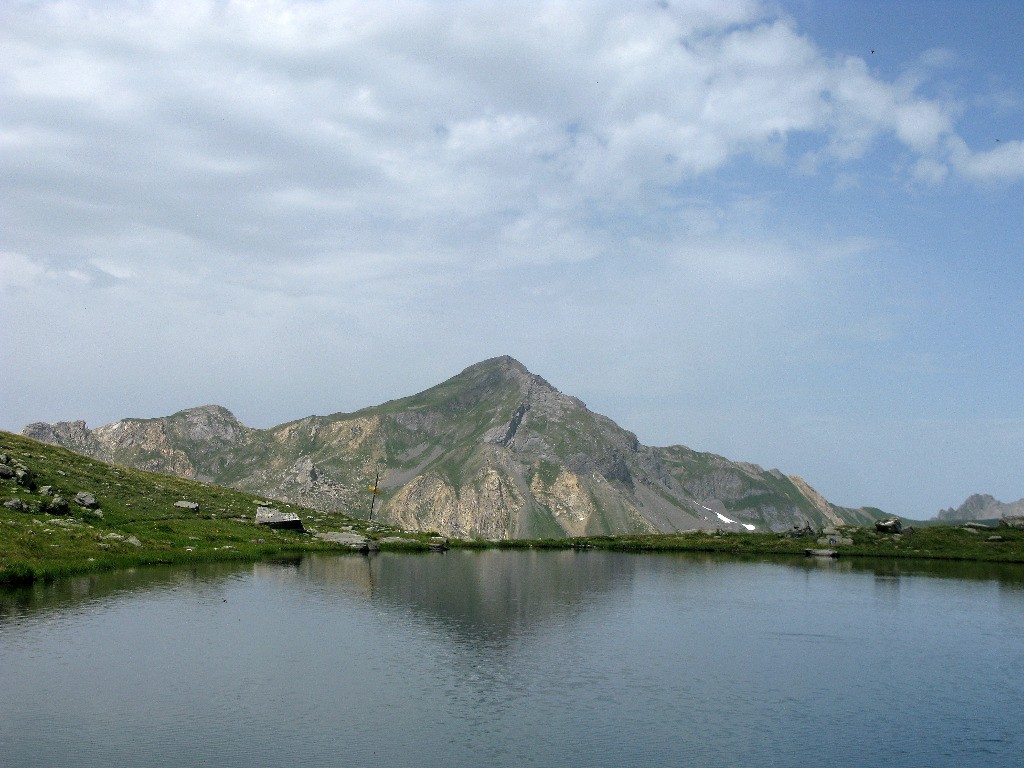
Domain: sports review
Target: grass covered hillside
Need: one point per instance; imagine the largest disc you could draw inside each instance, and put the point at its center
(495, 452)
(61, 512)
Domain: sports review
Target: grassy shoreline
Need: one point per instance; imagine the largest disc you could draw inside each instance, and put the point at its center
(136, 518)
(932, 543)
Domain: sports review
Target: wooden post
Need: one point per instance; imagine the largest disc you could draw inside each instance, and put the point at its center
(373, 496)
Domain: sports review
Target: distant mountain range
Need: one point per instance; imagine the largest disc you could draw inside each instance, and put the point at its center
(981, 506)
(495, 452)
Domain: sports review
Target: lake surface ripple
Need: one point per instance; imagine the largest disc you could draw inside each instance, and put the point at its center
(517, 659)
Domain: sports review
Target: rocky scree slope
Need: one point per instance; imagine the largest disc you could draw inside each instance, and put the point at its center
(495, 452)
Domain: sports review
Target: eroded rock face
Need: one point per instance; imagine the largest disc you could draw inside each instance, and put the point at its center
(494, 452)
(70, 434)
(488, 508)
(982, 506)
(568, 500)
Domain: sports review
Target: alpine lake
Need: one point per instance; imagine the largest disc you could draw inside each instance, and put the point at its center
(518, 658)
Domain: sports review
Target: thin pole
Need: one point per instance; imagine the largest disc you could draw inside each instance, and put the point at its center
(373, 495)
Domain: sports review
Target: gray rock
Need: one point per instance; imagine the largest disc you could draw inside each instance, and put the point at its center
(821, 553)
(6, 473)
(57, 505)
(305, 473)
(46, 490)
(890, 525)
(17, 505)
(835, 540)
(275, 518)
(1012, 522)
(351, 540)
(133, 541)
(85, 499)
(192, 505)
(23, 477)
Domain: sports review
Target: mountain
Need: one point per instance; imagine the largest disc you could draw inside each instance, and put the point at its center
(494, 452)
(982, 506)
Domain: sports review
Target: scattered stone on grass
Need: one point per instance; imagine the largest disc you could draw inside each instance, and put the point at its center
(275, 518)
(347, 539)
(57, 505)
(86, 499)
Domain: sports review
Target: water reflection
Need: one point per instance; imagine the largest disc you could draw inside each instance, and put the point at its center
(106, 586)
(501, 594)
(516, 658)
(505, 592)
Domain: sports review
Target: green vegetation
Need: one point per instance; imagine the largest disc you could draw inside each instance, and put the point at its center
(45, 533)
(50, 527)
(997, 544)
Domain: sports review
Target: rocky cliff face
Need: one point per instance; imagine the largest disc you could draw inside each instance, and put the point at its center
(982, 506)
(495, 452)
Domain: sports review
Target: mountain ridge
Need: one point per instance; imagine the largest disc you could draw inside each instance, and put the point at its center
(493, 452)
(982, 506)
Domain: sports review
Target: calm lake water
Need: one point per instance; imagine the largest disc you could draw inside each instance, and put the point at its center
(517, 659)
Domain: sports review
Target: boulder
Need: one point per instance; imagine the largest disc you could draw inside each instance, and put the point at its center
(348, 539)
(85, 499)
(23, 477)
(190, 505)
(275, 518)
(890, 525)
(17, 505)
(6, 473)
(1012, 522)
(57, 505)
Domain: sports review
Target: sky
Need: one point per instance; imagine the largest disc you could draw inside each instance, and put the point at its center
(788, 232)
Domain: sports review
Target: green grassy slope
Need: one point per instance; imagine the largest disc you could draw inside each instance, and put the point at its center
(135, 520)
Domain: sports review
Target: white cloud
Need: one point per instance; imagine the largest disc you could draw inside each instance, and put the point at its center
(1004, 163)
(237, 190)
(256, 124)
(18, 271)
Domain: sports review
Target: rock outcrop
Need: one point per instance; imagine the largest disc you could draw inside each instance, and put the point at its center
(982, 506)
(494, 452)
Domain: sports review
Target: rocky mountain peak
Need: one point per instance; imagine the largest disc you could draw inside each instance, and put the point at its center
(207, 422)
(71, 434)
(495, 451)
(982, 506)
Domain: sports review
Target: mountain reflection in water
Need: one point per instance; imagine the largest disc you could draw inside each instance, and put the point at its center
(517, 658)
